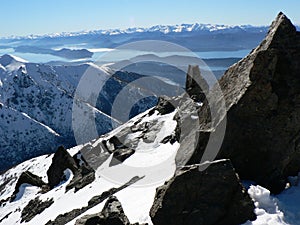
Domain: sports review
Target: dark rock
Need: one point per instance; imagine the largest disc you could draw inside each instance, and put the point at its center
(116, 142)
(6, 182)
(120, 155)
(67, 217)
(34, 207)
(82, 177)
(262, 95)
(165, 105)
(195, 85)
(211, 197)
(186, 131)
(112, 214)
(5, 217)
(94, 156)
(27, 178)
(61, 161)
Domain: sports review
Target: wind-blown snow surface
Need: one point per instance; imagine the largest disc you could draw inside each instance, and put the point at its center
(154, 161)
(281, 209)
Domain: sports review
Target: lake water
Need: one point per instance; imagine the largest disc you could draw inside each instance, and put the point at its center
(110, 55)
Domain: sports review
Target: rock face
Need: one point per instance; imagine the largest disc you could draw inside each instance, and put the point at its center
(262, 94)
(211, 197)
(164, 105)
(34, 207)
(60, 162)
(82, 177)
(112, 213)
(196, 86)
(28, 178)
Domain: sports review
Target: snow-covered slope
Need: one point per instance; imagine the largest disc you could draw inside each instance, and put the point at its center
(282, 209)
(153, 162)
(146, 163)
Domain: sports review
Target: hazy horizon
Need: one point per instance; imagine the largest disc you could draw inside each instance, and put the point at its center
(23, 18)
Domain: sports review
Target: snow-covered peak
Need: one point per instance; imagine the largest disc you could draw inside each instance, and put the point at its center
(7, 59)
(166, 29)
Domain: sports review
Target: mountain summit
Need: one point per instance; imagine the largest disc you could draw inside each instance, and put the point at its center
(262, 95)
(147, 170)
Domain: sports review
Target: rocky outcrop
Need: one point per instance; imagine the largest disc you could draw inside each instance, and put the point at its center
(82, 177)
(164, 105)
(63, 219)
(61, 161)
(211, 197)
(262, 95)
(120, 155)
(196, 86)
(34, 207)
(112, 213)
(28, 178)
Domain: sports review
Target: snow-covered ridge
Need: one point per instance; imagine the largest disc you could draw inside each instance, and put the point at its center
(40, 98)
(178, 28)
(146, 164)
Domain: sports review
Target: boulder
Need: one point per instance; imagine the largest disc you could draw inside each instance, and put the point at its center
(61, 161)
(210, 197)
(112, 214)
(120, 155)
(262, 95)
(27, 178)
(82, 177)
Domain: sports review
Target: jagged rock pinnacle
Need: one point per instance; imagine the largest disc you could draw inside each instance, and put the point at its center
(196, 86)
(262, 95)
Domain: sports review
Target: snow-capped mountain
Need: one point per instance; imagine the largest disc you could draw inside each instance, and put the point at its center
(157, 169)
(201, 37)
(36, 105)
(165, 29)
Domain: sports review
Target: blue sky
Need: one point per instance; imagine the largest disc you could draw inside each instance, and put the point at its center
(23, 17)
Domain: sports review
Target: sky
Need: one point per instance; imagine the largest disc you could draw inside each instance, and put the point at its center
(25, 17)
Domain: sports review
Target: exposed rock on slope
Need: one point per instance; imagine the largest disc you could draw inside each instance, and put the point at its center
(82, 177)
(94, 201)
(262, 94)
(196, 86)
(34, 207)
(211, 197)
(112, 213)
(60, 162)
(27, 178)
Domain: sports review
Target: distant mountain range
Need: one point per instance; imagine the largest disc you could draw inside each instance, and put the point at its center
(197, 37)
(165, 29)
